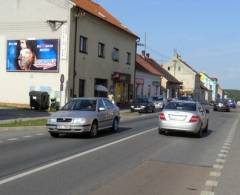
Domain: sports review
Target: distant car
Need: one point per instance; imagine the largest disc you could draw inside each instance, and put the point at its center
(183, 116)
(185, 98)
(84, 115)
(159, 102)
(221, 105)
(142, 105)
(232, 103)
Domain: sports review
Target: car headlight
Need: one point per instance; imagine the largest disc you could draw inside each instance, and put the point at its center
(79, 120)
(52, 120)
(220, 104)
(132, 106)
(143, 106)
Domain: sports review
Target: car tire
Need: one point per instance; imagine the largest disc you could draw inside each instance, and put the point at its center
(94, 129)
(160, 131)
(115, 125)
(200, 132)
(55, 135)
(206, 128)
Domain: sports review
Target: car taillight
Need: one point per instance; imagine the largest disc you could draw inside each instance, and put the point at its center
(162, 116)
(194, 119)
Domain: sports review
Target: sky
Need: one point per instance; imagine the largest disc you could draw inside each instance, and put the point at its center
(206, 33)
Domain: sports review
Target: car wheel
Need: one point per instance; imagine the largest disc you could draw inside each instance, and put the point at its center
(206, 128)
(94, 129)
(153, 110)
(160, 131)
(200, 133)
(54, 134)
(115, 125)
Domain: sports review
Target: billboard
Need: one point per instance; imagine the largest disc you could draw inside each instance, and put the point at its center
(33, 55)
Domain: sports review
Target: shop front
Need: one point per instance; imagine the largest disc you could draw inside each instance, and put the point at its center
(122, 88)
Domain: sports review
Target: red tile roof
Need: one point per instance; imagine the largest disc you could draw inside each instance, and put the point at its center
(143, 64)
(98, 11)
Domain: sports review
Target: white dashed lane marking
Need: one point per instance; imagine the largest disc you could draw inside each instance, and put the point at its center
(207, 193)
(27, 136)
(12, 139)
(211, 183)
(215, 174)
(220, 161)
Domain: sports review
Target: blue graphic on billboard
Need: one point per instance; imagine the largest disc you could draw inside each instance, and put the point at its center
(33, 55)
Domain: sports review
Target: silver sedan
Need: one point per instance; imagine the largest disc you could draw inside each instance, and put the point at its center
(186, 116)
(84, 115)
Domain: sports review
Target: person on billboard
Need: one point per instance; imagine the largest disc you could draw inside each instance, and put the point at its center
(27, 55)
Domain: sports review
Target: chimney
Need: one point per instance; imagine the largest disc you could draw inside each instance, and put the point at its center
(144, 53)
(147, 55)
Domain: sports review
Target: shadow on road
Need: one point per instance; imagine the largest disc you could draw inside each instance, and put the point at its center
(102, 133)
(189, 135)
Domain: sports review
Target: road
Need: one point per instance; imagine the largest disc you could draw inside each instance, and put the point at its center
(136, 160)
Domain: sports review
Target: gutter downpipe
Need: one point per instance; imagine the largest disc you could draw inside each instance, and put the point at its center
(134, 81)
(75, 50)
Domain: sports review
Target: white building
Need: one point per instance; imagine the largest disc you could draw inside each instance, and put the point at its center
(77, 39)
(147, 82)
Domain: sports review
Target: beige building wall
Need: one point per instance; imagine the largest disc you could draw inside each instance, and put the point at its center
(189, 78)
(24, 19)
(89, 66)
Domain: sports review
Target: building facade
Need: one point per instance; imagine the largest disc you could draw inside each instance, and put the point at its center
(170, 86)
(147, 81)
(189, 77)
(78, 41)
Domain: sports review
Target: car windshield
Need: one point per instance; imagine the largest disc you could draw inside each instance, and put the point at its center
(181, 106)
(141, 100)
(157, 98)
(81, 105)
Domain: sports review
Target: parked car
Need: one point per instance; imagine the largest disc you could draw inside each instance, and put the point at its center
(231, 103)
(221, 105)
(183, 116)
(159, 102)
(84, 115)
(142, 105)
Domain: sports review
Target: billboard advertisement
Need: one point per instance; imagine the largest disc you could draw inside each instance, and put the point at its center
(33, 55)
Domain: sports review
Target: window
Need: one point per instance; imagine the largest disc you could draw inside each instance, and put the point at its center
(179, 68)
(115, 55)
(100, 104)
(81, 87)
(83, 44)
(128, 58)
(169, 68)
(108, 104)
(101, 50)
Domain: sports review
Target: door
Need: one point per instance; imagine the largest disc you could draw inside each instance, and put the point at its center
(102, 115)
(110, 111)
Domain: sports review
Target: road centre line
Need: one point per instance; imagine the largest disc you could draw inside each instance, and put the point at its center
(27, 136)
(55, 163)
(12, 139)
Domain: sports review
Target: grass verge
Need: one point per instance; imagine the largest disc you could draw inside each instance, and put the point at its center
(21, 123)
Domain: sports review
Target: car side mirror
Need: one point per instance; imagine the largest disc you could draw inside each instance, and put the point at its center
(101, 109)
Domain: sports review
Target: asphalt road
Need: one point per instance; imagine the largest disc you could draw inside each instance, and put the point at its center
(136, 160)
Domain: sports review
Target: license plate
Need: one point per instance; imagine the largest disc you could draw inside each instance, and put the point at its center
(63, 127)
(177, 117)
